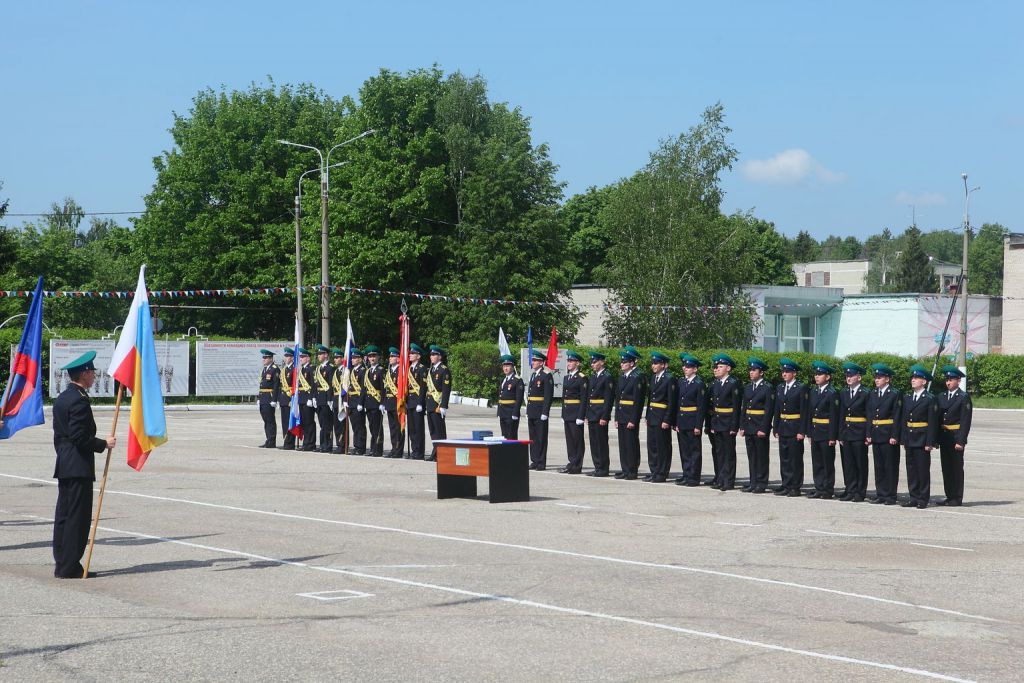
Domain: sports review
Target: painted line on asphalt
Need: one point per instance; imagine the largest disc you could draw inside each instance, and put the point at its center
(737, 524)
(1000, 464)
(978, 514)
(943, 547)
(542, 550)
(832, 533)
(493, 597)
(570, 505)
(641, 514)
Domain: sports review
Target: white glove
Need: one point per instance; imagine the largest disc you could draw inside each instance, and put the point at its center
(360, 408)
(273, 404)
(314, 404)
(543, 418)
(310, 403)
(419, 409)
(383, 409)
(579, 421)
(515, 417)
(443, 411)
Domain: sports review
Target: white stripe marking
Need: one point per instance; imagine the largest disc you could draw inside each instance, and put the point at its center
(943, 547)
(977, 514)
(736, 524)
(983, 462)
(832, 533)
(553, 608)
(549, 551)
(332, 596)
(570, 505)
(641, 514)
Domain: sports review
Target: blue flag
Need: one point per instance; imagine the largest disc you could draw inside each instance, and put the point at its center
(23, 397)
(529, 349)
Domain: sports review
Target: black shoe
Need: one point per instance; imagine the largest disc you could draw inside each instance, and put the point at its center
(336, 451)
(418, 456)
(657, 479)
(747, 489)
(430, 458)
(779, 489)
(269, 444)
(846, 498)
(759, 489)
(599, 473)
(309, 449)
(793, 494)
(620, 475)
(889, 501)
(691, 483)
(288, 448)
(857, 499)
(90, 575)
(876, 501)
(909, 504)
(648, 477)
(922, 505)
(574, 471)
(814, 494)
(781, 492)
(630, 477)
(954, 503)
(825, 496)
(680, 479)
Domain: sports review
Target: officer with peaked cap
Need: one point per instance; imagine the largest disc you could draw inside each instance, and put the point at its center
(789, 424)
(510, 398)
(286, 376)
(691, 402)
(822, 428)
(885, 405)
(340, 408)
(724, 403)
(323, 399)
(373, 400)
(539, 394)
(955, 410)
(756, 415)
(630, 395)
(919, 426)
(416, 402)
(439, 389)
(74, 439)
(853, 433)
(269, 396)
(600, 398)
(661, 417)
(395, 433)
(574, 411)
(356, 409)
(307, 396)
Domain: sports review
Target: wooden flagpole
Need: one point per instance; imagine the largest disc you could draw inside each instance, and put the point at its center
(103, 485)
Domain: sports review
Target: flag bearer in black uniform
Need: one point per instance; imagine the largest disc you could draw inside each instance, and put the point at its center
(630, 395)
(600, 397)
(373, 400)
(391, 403)
(724, 401)
(510, 398)
(823, 431)
(792, 399)
(356, 409)
(575, 395)
(439, 388)
(919, 428)
(691, 399)
(853, 433)
(415, 403)
(885, 406)
(324, 399)
(340, 398)
(539, 393)
(661, 416)
(756, 417)
(285, 394)
(270, 389)
(74, 439)
(307, 397)
(955, 425)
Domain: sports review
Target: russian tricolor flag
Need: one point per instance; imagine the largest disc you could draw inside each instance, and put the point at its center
(134, 366)
(22, 404)
(294, 418)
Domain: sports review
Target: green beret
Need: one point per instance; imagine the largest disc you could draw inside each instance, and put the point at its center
(882, 370)
(822, 368)
(851, 368)
(266, 353)
(789, 365)
(723, 359)
(755, 363)
(918, 370)
(952, 372)
(508, 358)
(572, 355)
(658, 357)
(82, 363)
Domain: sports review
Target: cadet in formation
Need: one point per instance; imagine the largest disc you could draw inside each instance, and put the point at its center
(691, 400)
(340, 405)
(919, 427)
(885, 406)
(356, 409)
(630, 395)
(323, 400)
(396, 435)
(756, 415)
(790, 427)
(439, 389)
(853, 428)
(373, 401)
(415, 404)
(600, 397)
(955, 411)
(269, 396)
(539, 394)
(575, 395)
(724, 402)
(510, 399)
(307, 394)
(287, 375)
(823, 431)
(661, 408)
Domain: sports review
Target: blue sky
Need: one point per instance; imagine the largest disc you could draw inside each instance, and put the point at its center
(844, 114)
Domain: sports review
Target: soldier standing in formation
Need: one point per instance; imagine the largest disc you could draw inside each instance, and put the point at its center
(373, 401)
(724, 403)
(415, 403)
(853, 406)
(600, 395)
(356, 409)
(823, 431)
(539, 394)
(660, 418)
(955, 409)
(340, 396)
(574, 411)
(919, 426)
(691, 401)
(323, 401)
(439, 388)
(885, 406)
(510, 399)
(756, 415)
(792, 400)
(270, 389)
(307, 406)
(629, 407)
(286, 376)
(391, 404)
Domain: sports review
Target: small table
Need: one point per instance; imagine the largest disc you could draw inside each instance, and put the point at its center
(506, 463)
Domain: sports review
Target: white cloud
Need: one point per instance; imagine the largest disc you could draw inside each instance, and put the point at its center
(919, 199)
(789, 167)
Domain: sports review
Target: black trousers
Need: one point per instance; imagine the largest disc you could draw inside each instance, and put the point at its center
(71, 525)
(325, 416)
(376, 424)
(919, 474)
(952, 467)
(269, 415)
(757, 460)
(286, 407)
(716, 458)
(599, 446)
(823, 467)
(629, 448)
(396, 435)
(726, 470)
(538, 441)
(689, 455)
(417, 432)
(855, 467)
(308, 416)
(887, 469)
(659, 450)
(791, 462)
(358, 418)
(438, 430)
(575, 446)
(509, 428)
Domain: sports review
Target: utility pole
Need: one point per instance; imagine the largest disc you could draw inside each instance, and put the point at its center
(298, 265)
(961, 356)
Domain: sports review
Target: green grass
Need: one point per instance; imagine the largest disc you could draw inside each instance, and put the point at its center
(997, 402)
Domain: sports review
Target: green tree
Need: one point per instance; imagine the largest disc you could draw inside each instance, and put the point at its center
(985, 260)
(672, 246)
(881, 251)
(805, 248)
(589, 238)
(944, 245)
(769, 260)
(914, 271)
(8, 239)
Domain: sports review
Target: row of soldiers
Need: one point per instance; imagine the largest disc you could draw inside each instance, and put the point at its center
(363, 396)
(854, 417)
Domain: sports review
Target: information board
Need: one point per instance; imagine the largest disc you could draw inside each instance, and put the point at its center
(63, 351)
(232, 368)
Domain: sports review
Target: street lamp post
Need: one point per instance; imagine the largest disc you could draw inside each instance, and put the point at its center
(961, 356)
(325, 308)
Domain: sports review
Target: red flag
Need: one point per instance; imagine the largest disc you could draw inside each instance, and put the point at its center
(552, 349)
(403, 367)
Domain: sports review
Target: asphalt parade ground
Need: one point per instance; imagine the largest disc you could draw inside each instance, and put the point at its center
(222, 561)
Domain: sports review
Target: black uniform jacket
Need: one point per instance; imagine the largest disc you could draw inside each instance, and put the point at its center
(417, 395)
(920, 422)
(510, 396)
(632, 392)
(853, 414)
(373, 387)
(270, 384)
(439, 387)
(791, 409)
(540, 393)
(661, 400)
(600, 396)
(574, 396)
(724, 402)
(884, 415)
(74, 435)
(691, 402)
(955, 415)
(823, 414)
(758, 408)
